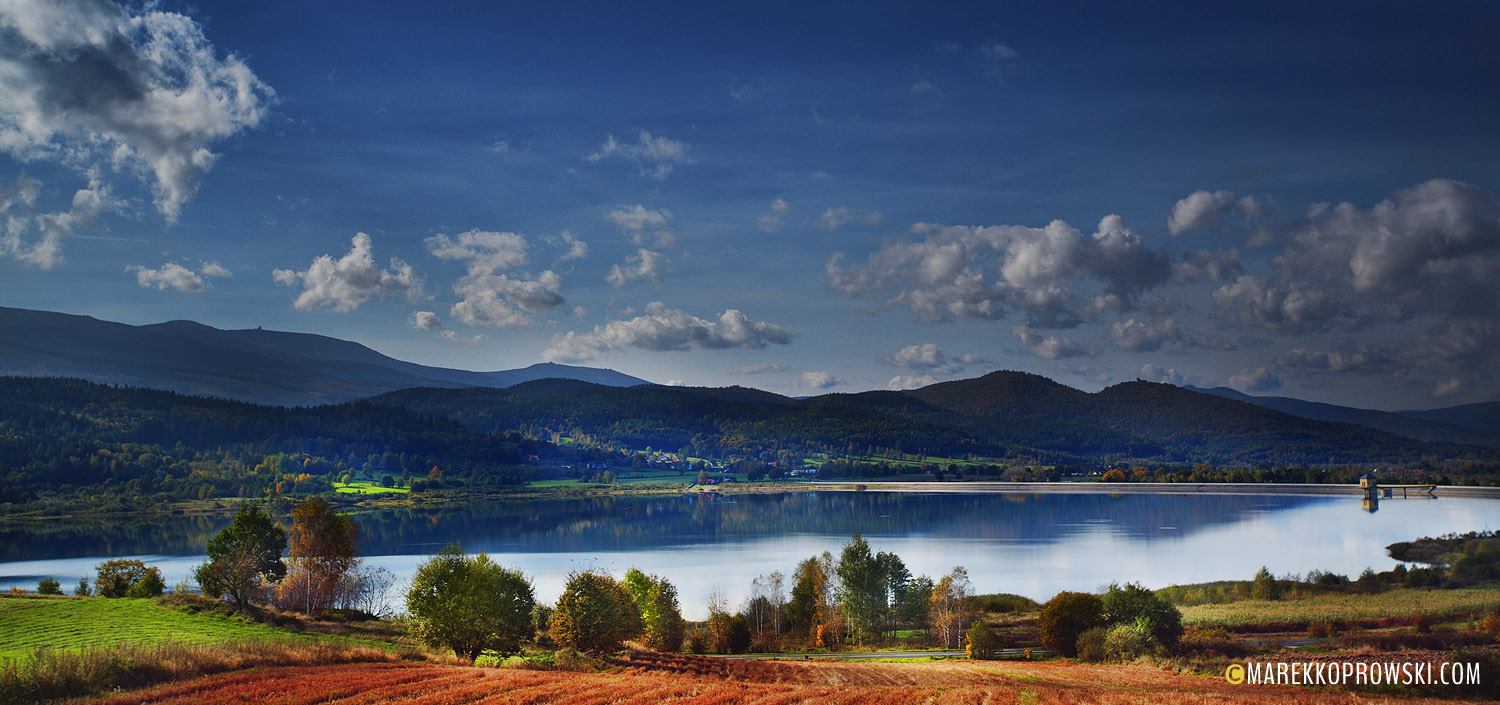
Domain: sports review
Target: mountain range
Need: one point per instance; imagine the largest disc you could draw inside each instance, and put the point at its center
(254, 365)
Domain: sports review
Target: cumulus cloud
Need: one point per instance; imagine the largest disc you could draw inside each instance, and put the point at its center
(572, 247)
(1050, 347)
(89, 81)
(662, 328)
(654, 157)
(836, 218)
(771, 221)
(904, 382)
(817, 379)
(1254, 380)
(172, 275)
(1433, 248)
(1364, 359)
(37, 238)
(645, 226)
(489, 295)
(1139, 336)
(1212, 210)
(644, 264)
(345, 283)
(946, 272)
(428, 322)
(1207, 265)
(1289, 308)
(928, 356)
(1167, 375)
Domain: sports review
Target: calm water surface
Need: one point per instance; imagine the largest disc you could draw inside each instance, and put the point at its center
(1034, 545)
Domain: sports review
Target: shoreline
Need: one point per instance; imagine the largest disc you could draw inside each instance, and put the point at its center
(1225, 488)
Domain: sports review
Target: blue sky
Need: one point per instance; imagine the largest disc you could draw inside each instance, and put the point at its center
(835, 198)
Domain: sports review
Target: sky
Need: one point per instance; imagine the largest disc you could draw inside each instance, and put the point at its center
(1286, 199)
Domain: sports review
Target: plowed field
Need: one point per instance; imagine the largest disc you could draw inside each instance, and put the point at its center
(650, 678)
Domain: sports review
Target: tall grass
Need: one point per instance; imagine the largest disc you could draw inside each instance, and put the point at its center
(50, 674)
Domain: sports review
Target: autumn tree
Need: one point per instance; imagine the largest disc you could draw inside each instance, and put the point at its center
(661, 616)
(594, 615)
(946, 608)
(469, 605)
(1065, 617)
(243, 557)
(128, 578)
(323, 552)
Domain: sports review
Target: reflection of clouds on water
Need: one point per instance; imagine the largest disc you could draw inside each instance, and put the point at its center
(1033, 545)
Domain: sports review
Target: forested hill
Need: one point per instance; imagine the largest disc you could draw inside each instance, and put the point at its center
(1009, 415)
(60, 435)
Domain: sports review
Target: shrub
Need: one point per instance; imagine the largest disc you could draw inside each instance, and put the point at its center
(116, 577)
(981, 641)
(1128, 642)
(1067, 615)
(1135, 605)
(469, 605)
(656, 600)
(83, 589)
(593, 615)
(48, 586)
(151, 584)
(1090, 645)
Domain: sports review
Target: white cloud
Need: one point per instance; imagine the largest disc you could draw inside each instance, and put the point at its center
(1050, 347)
(89, 81)
(573, 248)
(1168, 375)
(655, 157)
(662, 328)
(817, 379)
(1139, 336)
(904, 382)
(347, 282)
(644, 264)
(771, 221)
(762, 368)
(214, 269)
(1212, 210)
(947, 272)
(645, 226)
(169, 276)
(1252, 301)
(836, 218)
(1448, 388)
(428, 322)
(37, 238)
(1257, 380)
(488, 296)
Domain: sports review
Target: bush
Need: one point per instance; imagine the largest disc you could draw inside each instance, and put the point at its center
(469, 605)
(594, 615)
(150, 585)
(981, 641)
(116, 577)
(48, 586)
(1128, 642)
(1067, 615)
(1090, 645)
(1135, 605)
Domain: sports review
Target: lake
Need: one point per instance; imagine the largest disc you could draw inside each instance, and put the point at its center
(1030, 544)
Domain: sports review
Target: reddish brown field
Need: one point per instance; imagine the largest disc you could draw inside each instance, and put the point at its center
(649, 679)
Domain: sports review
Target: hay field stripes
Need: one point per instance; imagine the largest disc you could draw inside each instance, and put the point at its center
(747, 683)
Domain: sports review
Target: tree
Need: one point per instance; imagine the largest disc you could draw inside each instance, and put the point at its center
(469, 604)
(83, 589)
(915, 602)
(982, 643)
(661, 617)
(594, 614)
(1067, 615)
(1135, 605)
(127, 578)
(802, 608)
(862, 590)
(323, 551)
(946, 608)
(896, 581)
(243, 557)
(48, 586)
(1264, 586)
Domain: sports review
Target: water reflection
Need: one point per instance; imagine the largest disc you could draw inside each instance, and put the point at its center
(1029, 544)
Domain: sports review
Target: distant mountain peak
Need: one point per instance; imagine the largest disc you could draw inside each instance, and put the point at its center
(250, 364)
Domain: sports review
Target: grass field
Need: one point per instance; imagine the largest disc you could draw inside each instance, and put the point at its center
(31, 622)
(367, 487)
(1344, 608)
(703, 681)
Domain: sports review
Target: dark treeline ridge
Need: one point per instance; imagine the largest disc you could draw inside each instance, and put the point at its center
(61, 438)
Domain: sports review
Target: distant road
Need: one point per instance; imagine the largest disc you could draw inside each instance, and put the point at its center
(1135, 488)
